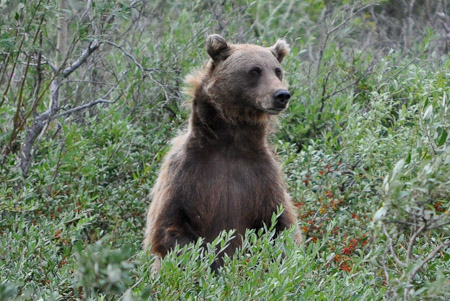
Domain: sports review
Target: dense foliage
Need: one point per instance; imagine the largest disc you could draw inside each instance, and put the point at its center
(364, 147)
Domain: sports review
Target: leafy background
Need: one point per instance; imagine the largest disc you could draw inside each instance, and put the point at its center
(364, 147)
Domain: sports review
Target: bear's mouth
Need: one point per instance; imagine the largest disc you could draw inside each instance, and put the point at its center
(274, 111)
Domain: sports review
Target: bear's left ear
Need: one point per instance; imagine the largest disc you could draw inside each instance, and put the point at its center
(280, 49)
(217, 47)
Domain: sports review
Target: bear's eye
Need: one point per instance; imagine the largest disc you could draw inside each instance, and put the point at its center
(278, 73)
(256, 71)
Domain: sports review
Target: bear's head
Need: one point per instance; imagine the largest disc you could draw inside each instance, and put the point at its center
(247, 76)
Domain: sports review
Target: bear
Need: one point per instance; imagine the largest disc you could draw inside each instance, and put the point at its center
(221, 173)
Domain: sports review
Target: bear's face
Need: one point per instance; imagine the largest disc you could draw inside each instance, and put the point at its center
(247, 76)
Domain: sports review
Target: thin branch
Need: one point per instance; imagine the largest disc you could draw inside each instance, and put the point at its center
(356, 81)
(39, 75)
(428, 258)
(61, 37)
(351, 17)
(82, 107)
(395, 221)
(412, 241)
(55, 173)
(443, 18)
(386, 274)
(19, 50)
(383, 263)
(86, 53)
(52, 66)
(324, 97)
(397, 73)
(333, 30)
(131, 288)
(54, 97)
(5, 67)
(161, 86)
(438, 226)
(133, 4)
(391, 248)
(42, 120)
(324, 90)
(87, 12)
(20, 100)
(127, 54)
(416, 269)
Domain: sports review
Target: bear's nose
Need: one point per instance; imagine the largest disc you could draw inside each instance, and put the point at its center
(281, 97)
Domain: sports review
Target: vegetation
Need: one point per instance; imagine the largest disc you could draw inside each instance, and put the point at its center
(91, 94)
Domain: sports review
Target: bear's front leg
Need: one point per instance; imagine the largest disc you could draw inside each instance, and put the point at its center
(165, 238)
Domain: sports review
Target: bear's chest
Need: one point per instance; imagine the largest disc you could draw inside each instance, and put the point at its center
(230, 190)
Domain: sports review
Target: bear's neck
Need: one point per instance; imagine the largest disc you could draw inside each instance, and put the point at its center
(240, 128)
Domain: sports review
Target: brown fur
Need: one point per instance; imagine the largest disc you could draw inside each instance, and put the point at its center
(221, 174)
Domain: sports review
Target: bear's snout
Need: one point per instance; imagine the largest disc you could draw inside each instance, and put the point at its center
(281, 98)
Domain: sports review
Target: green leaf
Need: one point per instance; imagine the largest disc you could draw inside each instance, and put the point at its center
(398, 167)
(408, 159)
(380, 213)
(428, 112)
(442, 138)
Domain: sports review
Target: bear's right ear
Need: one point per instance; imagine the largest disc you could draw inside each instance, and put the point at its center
(217, 47)
(280, 50)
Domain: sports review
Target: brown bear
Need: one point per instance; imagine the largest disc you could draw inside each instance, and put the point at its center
(221, 174)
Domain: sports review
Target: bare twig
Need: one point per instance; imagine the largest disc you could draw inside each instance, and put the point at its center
(87, 11)
(330, 32)
(86, 53)
(445, 22)
(351, 17)
(439, 226)
(61, 39)
(55, 173)
(19, 50)
(337, 90)
(391, 248)
(428, 258)
(37, 89)
(42, 120)
(52, 66)
(412, 241)
(416, 269)
(32, 133)
(5, 65)
(20, 100)
(82, 107)
(383, 263)
(324, 90)
(133, 4)
(131, 288)
(394, 221)
(127, 54)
